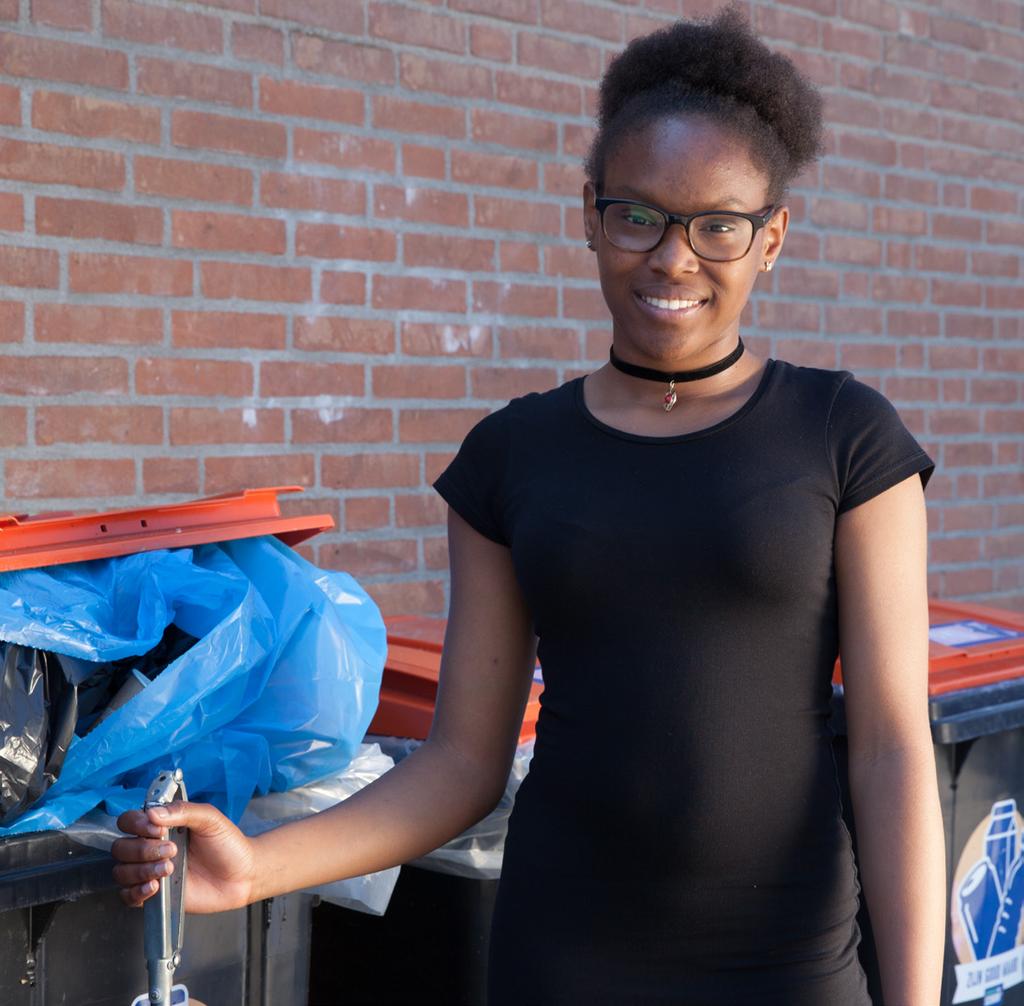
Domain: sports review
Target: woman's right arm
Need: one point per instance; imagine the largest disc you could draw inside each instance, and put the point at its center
(455, 778)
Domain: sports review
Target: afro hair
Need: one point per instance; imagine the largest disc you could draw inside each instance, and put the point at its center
(720, 70)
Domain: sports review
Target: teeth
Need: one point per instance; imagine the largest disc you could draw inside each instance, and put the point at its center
(670, 305)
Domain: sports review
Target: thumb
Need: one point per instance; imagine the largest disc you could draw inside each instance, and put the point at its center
(199, 818)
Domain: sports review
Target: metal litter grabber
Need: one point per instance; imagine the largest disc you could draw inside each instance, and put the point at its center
(164, 913)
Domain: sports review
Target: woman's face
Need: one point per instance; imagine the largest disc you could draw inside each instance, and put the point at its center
(680, 165)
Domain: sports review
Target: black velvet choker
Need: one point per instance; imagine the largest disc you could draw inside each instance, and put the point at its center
(650, 374)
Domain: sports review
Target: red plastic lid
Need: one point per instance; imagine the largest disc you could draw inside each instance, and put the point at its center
(409, 688)
(27, 542)
(970, 645)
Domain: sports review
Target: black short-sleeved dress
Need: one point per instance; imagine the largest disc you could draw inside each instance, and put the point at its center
(679, 836)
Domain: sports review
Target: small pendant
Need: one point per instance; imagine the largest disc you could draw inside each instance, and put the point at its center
(670, 396)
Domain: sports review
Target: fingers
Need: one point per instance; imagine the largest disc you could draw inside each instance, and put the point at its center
(200, 818)
(133, 897)
(134, 850)
(142, 875)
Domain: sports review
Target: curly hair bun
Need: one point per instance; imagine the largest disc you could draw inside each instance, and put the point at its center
(719, 69)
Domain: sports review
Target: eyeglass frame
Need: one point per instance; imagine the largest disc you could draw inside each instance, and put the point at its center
(758, 220)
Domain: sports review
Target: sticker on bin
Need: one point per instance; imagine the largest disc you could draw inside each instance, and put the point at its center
(179, 997)
(969, 633)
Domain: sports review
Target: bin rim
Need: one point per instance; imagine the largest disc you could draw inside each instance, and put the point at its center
(48, 539)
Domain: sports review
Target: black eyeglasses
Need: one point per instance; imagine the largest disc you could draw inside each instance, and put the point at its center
(716, 235)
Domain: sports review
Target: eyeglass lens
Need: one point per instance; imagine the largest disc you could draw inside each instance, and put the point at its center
(718, 236)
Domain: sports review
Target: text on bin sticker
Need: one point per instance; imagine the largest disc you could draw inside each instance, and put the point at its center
(969, 633)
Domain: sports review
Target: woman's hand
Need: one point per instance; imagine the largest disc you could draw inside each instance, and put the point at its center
(221, 860)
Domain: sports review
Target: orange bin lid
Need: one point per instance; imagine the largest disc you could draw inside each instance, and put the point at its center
(408, 690)
(970, 645)
(27, 542)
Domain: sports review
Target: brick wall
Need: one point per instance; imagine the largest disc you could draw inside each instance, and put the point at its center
(259, 242)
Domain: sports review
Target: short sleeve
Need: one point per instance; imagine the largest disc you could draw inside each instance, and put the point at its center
(471, 485)
(870, 447)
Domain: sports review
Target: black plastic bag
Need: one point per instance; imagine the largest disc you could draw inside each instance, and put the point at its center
(38, 710)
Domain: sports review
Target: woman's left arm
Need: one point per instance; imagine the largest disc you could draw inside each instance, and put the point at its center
(880, 561)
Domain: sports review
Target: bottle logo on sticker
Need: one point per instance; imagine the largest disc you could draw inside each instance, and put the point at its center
(986, 906)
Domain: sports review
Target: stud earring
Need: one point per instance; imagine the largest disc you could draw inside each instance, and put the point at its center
(590, 244)
(768, 265)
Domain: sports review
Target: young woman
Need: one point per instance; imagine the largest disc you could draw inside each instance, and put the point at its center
(691, 533)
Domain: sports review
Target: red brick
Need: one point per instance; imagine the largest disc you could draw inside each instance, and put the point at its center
(802, 281)
(517, 215)
(151, 277)
(526, 11)
(847, 178)
(344, 335)
(966, 455)
(436, 462)
(223, 280)
(564, 179)
(312, 101)
(877, 13)
(48, 59)
(333, 242)
(306, 505)
(953, 421)
(10, 105)
(341, 425)
(986, 263)
(952, 550)
(170, 475)
(789, 315)
(552, 96)
(1004, 546)
(13, 426)
(1004, 232)
(86, 218)
(309, 192)
(579, 18)
(850, 41)
(287, 379)
(370, 471)
(868, 147)
(900, 188)
(457, 80)
(12, 212)
(29, 267)
(807, 352)
(47, 164)
(1002, 392)
(365, 513)
(529, 342)
(953, 357)
(446, 252)
(858, 320)
(163, 26)
(63, 375)
(435, 553)
(912, 389)
(412, 381)
(232, 474)
(437, 425)
(12, 321)
(855, 250)
(418, 293)
(9, 10)
(74, 15)
(896, 220)
(891, 287)
(417, 117)
(950, 292)
(912, 323)
(368, 557)
(94, 323)
(193, 180)
(505, 383)
(202, 378)
(488, 42)
(60, 479)
(1005, 298)
(574, 59)
(227, 232)
(520, 256)
(409, 26)
(367, 63)
(198, 81)
(782, 24)
(867, 356)
(1009, 484)
(226, 426)
(497, 170)
(420, 339)
(987, 200)
(418, 597)
(257, 43)
(1004, 360)
(85, 115)
(344, 151)
(207, 131)
(346, 18)
(340, 287)
(911, 121)
(232, 330)
(420, 205)
(103, 424)
(244, 6)
(973, 517)
(513, 130)
(419, 510)
(956, 227)
(423, 162)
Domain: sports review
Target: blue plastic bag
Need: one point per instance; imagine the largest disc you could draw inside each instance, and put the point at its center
(277, 692)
